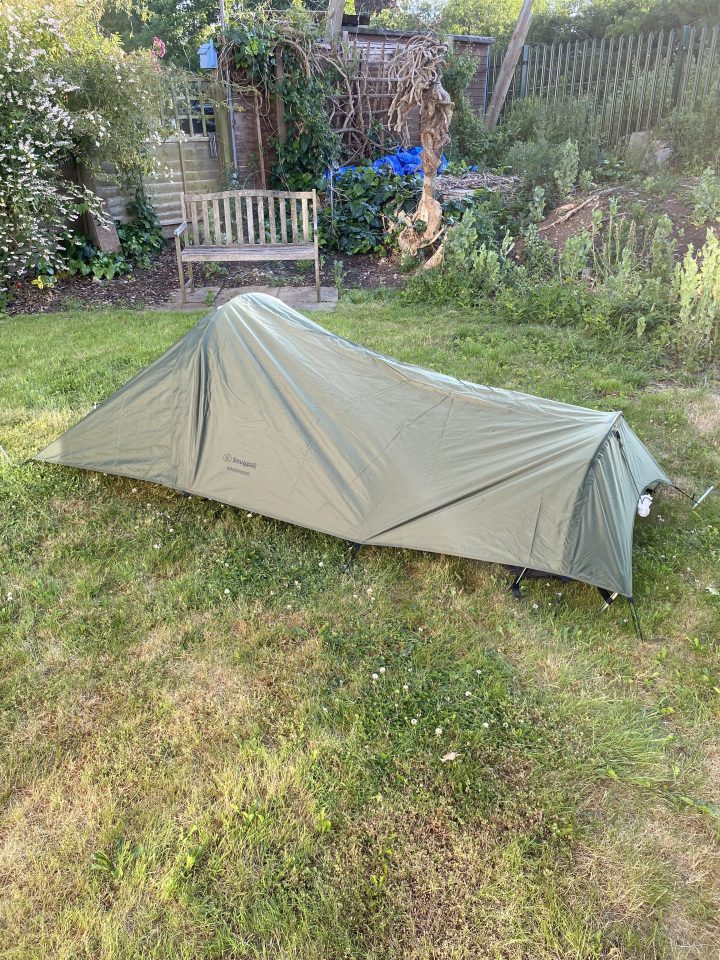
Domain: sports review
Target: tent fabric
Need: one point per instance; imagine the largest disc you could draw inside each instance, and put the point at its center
(261, 408)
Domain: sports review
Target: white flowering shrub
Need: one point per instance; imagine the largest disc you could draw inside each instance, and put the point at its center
(36, 204)
(66, 94)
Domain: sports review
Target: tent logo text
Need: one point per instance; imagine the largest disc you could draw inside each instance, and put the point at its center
(229, 458)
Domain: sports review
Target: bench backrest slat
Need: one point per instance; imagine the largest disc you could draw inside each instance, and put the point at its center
(250, 224)
(250, 217)
(294, 220)
(261, 221)
(237, 202)
(305, 221)
(228, 220)
(216, 226)
(271, 218)
(283, 221)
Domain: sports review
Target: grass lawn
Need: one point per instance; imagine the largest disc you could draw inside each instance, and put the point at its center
(197, 762)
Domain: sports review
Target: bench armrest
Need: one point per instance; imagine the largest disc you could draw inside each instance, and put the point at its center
(181, 229)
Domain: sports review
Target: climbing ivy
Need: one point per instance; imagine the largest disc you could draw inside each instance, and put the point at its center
(311, 145)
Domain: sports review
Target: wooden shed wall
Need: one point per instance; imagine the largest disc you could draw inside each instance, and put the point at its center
(183, 166)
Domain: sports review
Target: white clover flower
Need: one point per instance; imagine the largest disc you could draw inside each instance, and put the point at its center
(486, 726)
(226, 591)
(9, 596)
(405, 687)
(468, 693)
(382, 669)
(375, 676)
(321, 564)
(438, 731)
(414, 721)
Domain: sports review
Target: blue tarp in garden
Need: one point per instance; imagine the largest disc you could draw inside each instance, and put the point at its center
(402, 163)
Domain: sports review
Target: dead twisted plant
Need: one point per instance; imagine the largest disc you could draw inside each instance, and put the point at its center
(416, 70)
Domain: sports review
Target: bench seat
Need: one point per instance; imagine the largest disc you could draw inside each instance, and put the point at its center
(250, 252)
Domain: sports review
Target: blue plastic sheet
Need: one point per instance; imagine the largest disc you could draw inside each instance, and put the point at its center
(402, 162)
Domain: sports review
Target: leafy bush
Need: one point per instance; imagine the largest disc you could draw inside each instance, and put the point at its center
(555, 122)
(550, 146)
(35, 137)
(706, 197)
(475, 265)
(311, 144)
(142, 237)
(536, 163)
(470, 139)
(566, 172)
(694, 136)
(360, 213)
(697, 287)
(63, 103)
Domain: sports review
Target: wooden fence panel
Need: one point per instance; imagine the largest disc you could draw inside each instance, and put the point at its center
(634, 81)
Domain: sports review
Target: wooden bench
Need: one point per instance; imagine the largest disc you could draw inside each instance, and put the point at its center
(246, 226)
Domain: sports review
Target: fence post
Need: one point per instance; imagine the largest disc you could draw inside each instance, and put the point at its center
(524, 63)
(680, 65)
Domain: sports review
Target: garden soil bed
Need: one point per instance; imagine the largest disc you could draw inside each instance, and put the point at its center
(152, 287)
(576, 215)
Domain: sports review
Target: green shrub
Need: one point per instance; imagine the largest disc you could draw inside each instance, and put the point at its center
(475, 264)
(705, 197)
(470, 139)
(535, 163)
(142, 237)
(697, 287)
(67, 92)
(566, 172)
(694, 136)
(555, 122)
(361, 213)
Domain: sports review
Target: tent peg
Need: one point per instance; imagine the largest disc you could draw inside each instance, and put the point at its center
(707, 492)
(515, 585)
(636, 620)
(354, 549)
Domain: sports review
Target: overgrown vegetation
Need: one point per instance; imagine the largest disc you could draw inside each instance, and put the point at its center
(310, 144)
(694, 136)
(361, 209)
(207, 744)
(617, 278)
(67, 93)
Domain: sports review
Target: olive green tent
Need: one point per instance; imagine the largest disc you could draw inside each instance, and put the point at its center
(260, 408)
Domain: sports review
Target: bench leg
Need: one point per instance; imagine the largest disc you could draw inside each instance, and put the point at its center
(181, 272)
(317, 274)
(191, 277)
